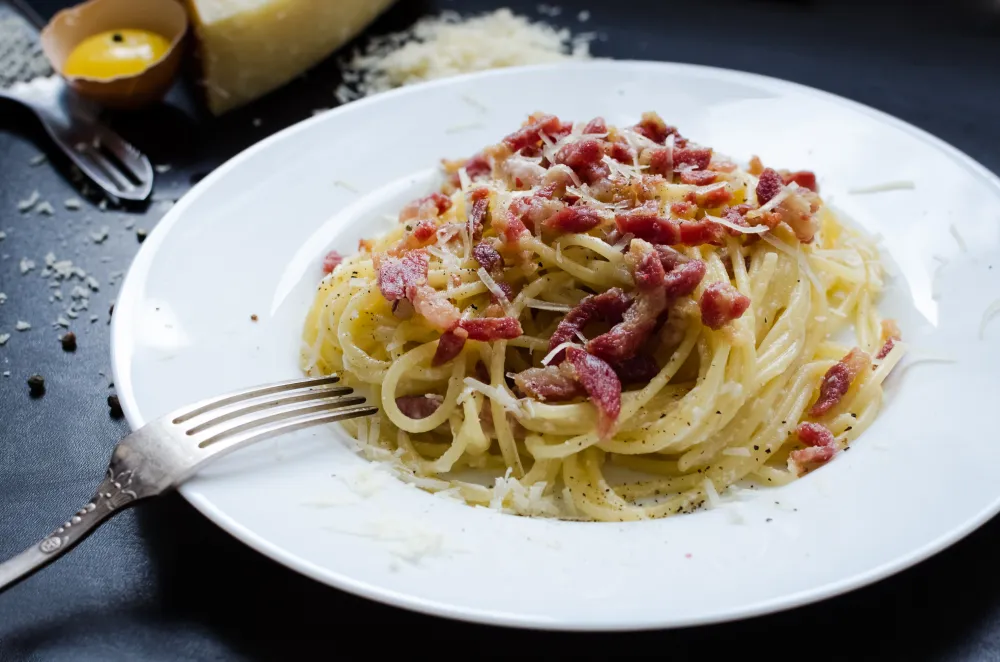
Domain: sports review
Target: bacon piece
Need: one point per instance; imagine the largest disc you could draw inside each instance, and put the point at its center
(365, 245)
(478, 166)
(670, 258)
(756, 167)
(397, 274)
(648, 271)
(596, 125)
(682, 279)
(419, 406)
(434, 306)
(608, 306)
(549, 384)
(837, 380)
(427, 207)
(685, 210)
(331, 260)
(509, 227)
(692, 157)
(696, 233)
(769, 184)
(602, 386)
(477, 213)
(720, 304)
(821, 447)
(804, 178)
(698, 177)
(574, 219)
(625, 338)
(491, 328)
(797, 211)
(659, 161)
(653, 127)
(488, 258)
(529, 134)
(424, 234)
(621, 152)
(646, 223)
(637, 370)
(584, 158)
(536, 208)
(508, 292)
(890, 335)
(713, 197)
(449, 346)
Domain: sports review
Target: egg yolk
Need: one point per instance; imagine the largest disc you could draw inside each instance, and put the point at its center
(115, 53)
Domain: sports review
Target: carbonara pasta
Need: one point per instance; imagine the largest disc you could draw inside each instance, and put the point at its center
(610, 323)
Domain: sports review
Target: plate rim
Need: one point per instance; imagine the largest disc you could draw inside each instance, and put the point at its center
(128, 296)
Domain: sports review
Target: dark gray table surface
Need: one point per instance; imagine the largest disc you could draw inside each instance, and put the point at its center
(162, 583)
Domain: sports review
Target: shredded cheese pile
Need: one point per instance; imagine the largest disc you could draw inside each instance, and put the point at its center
(448, 44)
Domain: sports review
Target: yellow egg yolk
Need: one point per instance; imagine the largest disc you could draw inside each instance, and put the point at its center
(115, 53)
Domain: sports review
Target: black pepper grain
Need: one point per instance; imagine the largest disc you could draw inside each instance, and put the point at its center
(117, 38)
(68, 342)
(141, 235)
(36, 386)
(253, 318)
(115, 407)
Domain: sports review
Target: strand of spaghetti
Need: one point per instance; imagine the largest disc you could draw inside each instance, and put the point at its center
(505, 436)
(415, 356)
(366, 367)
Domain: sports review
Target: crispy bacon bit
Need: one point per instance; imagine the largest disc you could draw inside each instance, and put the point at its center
(424, 234)
(508, 292)
(331, 260)
(602, 386)
(698, 177)
(646, 223)
(427, 207)
(720, 304)
(584, 158)
(477, 212)
(756, 166)
(685, 210)
(419, 406)
(529, 134)
(696, 157)
(608, 306)
(821, 447)
(637, 370)
(653, 127)
(804, 178)
(491, 328)
(659, 161)
(434, 306)
(365, 245)
(670, 258)
(509, 227)
(536, 208)
(488, 258)
(713, 197)
(449, 346)
(573, 219)
(397, 274)
(621, 152)
(797, 211)
(838, 379)
(769, 184)
(596, 125)
(890, 335)
(682, 279)
(648, 272)
(549, 384)
(625, 338)
(696, 233)
(477, 166)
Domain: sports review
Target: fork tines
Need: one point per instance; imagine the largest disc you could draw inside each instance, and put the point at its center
(257, 413)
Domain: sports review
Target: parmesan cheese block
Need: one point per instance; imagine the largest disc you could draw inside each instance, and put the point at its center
(250, 47)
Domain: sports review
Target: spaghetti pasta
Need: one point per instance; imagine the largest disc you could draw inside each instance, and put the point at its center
(612, 324)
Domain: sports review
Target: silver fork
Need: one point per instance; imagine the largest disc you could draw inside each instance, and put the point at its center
(164, 453)
(72, 123)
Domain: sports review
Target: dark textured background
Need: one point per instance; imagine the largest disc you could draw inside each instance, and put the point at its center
(161, 583)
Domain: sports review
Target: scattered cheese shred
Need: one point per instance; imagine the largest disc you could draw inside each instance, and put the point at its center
(558, 348)
(898, 185)
(992, 311)
(547, 305)
(953, 229)
(449, 44)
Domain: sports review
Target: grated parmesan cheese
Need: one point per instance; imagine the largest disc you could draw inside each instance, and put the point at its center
(449, 44)
(547, 305)
(898, 185)
(506, 400)
(22, 325)
(45, 208)
(25, 205)
(4, 337)
(953, 229)
(558, 348)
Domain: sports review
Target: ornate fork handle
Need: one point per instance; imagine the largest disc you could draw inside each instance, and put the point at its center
(120, 489)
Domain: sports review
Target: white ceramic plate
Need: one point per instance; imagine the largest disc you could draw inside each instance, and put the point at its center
(249, 238)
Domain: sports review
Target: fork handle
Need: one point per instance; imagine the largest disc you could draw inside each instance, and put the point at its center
(111, 498)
